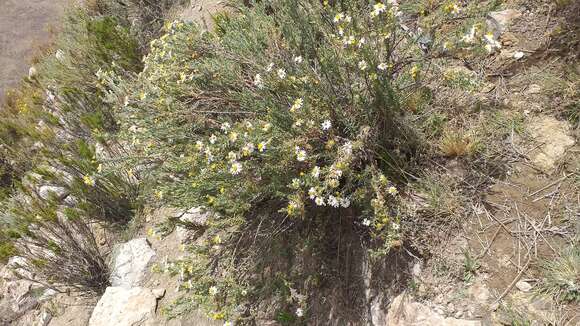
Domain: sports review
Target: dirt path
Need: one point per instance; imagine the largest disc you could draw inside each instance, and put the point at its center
(24, 27)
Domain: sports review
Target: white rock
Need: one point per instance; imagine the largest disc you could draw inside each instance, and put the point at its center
(518, 55)
(499, 21)
(193, 216)
(159, 293)
(524, 286)
(45, 192)
(130, 263)
(404, 312)
(554, 135)
(534, 89)
(124, 307)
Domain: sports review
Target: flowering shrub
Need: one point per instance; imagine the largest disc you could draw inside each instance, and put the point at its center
(286, 118)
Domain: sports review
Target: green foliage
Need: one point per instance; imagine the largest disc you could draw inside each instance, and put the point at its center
(289, 114)
(562, 275)
(52, 134)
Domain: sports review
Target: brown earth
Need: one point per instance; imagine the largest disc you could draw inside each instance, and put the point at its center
(25, 26)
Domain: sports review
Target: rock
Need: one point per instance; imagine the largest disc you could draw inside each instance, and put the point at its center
(524, 286)
(121, 306)
(499, 21)
(45, 192)
(194, 216)
(159, 293)
(130, 263)
(44, 318)
(534, 89)
(47, 295)
(405, 312)
(554, 137)
(518, 55)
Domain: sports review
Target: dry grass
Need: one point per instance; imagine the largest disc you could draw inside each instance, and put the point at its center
(457, 144)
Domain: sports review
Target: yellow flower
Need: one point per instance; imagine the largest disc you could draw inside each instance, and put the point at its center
(415, 72)
(88, 180)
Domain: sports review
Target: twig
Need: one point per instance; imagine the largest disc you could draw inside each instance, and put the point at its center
(549, 185)
(490, 243)
(515, 280)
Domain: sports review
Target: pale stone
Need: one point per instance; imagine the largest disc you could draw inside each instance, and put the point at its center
(121, 306)
(404, 312)
(554, 137)
(499, 21)
(524, 286)
(130, 263)
(46, 192)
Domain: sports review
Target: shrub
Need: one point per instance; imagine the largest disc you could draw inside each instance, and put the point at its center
(53, 132)
(56, 244)
(562, 275)
(288, 123)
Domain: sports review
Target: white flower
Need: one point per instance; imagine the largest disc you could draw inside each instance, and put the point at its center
(366, 222)
(362, 65)
(316, 172)
(470, 36)
(258, 81)
(326, 125)
(32, 72)
(212, 139)
(333, 201)
(345, 202)
(248, 149)
(349, 40)
(299, 312)
(225, 126)
(396, 226)
(233, 136)
(213, 290)
(338, 17)
(236, 168)
(232, 156)
(267, 127)
(298, 59)
(312, 193)
(298, 103)
(298, 123)
(492, 43)
(199, 145)
(378, 8)
(382, 66)
(228, 323)
(270, 67)
(392, 190)
(361, 42)
(59, 55)
(295, 183)
(208, 155)
(281, 73)
(319, 201)
(300, 155)
(261, 147)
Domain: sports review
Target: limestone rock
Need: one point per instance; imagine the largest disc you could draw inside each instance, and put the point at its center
(404, 312)
(130, 263)
(121, 306)
(45, 192)
(554, 137)
(524, 286)
(499, 21)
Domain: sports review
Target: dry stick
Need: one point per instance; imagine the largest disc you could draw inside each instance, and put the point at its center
(490, 243)
(549, 185)
(540, 233)
(515, 280)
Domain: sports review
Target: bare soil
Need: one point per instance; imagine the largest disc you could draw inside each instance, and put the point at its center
(25, 26)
